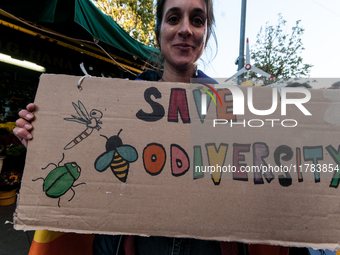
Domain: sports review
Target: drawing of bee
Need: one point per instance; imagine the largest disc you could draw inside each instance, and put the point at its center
(118, 156)
(91, 121)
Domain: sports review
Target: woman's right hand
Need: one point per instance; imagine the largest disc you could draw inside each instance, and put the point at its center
(24, 127)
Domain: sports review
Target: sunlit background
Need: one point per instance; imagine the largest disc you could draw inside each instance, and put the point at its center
(320, 19)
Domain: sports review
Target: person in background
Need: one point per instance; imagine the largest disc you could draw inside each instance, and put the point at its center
(298, 84)
(335, 85)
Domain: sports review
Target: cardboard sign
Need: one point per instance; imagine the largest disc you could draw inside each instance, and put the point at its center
(256, 165)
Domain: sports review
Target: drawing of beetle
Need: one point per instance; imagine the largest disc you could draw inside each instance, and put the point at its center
(61, 179)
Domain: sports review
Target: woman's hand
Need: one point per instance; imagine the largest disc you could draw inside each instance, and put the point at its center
(24, 127)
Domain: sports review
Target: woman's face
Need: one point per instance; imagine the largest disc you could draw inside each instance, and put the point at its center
(182, 31)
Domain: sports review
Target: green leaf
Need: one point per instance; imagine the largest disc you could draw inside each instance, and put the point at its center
(136, 17)
(278, 53)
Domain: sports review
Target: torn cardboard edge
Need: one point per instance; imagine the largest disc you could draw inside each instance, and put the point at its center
(316, 246)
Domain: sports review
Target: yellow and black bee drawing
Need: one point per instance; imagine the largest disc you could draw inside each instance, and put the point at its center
(118, 156)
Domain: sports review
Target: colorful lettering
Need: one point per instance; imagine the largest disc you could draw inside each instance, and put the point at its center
(226, 110)
(154, 158)
(313, 153)
(198, 173)
(335, 154)
(284, 180)
(158, 111)
(237, 158)
(298, 164)
(198, 103)
(178, 104)
(180, 163)
(261, 151)
(216, 158)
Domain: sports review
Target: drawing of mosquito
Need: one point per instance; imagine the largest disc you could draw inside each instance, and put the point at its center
(91, 121)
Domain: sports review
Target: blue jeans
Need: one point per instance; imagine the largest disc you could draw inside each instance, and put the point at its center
(112, 245)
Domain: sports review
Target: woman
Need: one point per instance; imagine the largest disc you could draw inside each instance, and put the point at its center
(182, 31)
(183, 28)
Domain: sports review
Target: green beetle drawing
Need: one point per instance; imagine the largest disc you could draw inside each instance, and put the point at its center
(61, 179)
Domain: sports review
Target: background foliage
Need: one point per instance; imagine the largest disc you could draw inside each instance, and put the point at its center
(279, 53)
(137, 17)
